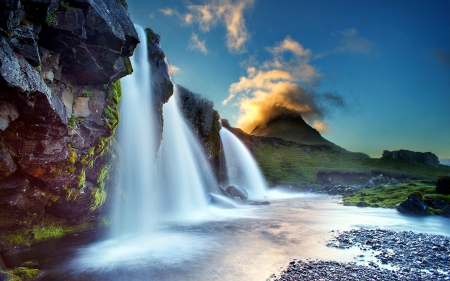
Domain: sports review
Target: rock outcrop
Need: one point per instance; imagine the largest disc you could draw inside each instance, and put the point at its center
(59, 93)
(443, 185)
(203, 119)
(162, 86)
(427, 158)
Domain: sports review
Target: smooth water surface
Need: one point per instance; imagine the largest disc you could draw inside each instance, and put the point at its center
(241, 244)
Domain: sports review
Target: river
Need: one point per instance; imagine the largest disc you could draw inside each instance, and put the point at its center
(249, 243)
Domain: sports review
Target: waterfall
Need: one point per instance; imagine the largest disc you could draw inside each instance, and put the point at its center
(159, 182)
(135, 206)
(185, 175)
(242, 169)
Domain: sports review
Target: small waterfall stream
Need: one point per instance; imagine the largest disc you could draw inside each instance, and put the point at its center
(185, 175)
(134, 206)
(242, 169)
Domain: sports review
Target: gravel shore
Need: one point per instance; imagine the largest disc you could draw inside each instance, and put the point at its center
(390, 256)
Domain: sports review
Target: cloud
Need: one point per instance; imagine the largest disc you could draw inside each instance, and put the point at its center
(174, 69)
(151, 16)
(349, 41)
(442, 56)
(197, 44)
(282, 86)
(228, 13)
(169, 12)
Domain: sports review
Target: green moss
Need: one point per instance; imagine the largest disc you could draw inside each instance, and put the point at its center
(50, 227)
(51, 19)
(128, 66)
(99, 195)
(89, 158)
(81, 178)
(390, 196)
(73, 122)
(22, 273)
(104, 174)
(65, 6)
(150, 34)
(111, 111)
(87, 94)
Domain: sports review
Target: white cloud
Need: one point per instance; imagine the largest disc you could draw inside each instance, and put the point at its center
(169, 12)
(197, 44)
(228, 13)
(174, 69)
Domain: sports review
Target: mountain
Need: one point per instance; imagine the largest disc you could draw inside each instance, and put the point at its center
(293, 128)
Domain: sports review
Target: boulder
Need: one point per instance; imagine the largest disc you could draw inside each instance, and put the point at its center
(413, 205)
(236, 191)
(443, 185)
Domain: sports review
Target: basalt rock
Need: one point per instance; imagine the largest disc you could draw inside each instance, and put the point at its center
(162, 86)
(59, 94)
(413, 205)
(202, 117)
(427, 158)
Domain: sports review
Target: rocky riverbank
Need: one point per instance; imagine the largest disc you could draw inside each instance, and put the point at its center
(390, 256)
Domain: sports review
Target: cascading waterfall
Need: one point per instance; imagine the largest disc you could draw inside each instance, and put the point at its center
(156, 185)
(242, 169)
(185, 175)
(135, 207)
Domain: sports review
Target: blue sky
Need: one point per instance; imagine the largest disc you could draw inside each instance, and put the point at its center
(370, 75)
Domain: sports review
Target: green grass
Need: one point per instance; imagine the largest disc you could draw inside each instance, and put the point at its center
(389, 196)
(292, 165)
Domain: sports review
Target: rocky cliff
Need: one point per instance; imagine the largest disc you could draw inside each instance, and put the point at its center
(203, 119)
(60, 62)
(427, 158)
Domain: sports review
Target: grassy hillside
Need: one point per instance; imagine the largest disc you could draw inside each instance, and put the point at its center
(294, 165)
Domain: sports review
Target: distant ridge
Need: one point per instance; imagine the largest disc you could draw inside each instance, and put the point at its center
(292, 127)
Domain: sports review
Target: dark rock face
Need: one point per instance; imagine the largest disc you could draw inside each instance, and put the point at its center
(236, 191)
(204, 120)
(59, 96)
(162, 86)
(413, 205)
(411, 156)
(443, 185)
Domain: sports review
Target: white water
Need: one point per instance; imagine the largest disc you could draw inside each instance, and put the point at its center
(185, 175)
(159, 182)
(135, 206)
(242, 169)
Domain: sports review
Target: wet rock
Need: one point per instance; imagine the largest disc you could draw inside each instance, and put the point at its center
(443, 185)
(236, 191)
(162, 86)
(203, 119)
(21, 203)
(413, 205)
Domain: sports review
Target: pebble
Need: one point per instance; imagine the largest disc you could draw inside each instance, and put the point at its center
(411, 256)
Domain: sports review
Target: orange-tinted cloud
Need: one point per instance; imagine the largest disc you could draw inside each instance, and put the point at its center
(282, 87)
